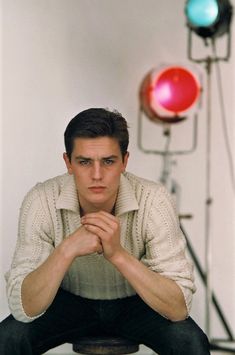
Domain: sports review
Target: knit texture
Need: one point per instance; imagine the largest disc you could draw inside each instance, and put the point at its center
(149, 231)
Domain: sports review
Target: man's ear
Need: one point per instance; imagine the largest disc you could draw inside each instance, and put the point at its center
(67, 163)
(125, 160)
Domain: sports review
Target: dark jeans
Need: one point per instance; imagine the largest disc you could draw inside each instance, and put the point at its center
(70, 317)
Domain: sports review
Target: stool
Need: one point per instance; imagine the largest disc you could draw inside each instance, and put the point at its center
(104, 345)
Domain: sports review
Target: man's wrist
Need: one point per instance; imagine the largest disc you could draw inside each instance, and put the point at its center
(119, 258)
(66, 251)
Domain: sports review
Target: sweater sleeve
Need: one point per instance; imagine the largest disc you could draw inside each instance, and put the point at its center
(34, 244)
(166, 245)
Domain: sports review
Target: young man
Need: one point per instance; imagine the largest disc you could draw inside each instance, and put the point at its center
(99, 249)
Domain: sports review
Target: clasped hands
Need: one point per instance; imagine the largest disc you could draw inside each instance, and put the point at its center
(107, 228)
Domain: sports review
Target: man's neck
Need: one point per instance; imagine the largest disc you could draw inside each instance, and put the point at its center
(89, 208)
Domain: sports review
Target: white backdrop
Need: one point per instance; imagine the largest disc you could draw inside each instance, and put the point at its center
(62, 56)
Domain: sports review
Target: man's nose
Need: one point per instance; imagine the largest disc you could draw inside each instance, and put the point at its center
(97, 171)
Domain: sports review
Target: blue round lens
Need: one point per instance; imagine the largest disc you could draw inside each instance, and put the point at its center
(202, 13)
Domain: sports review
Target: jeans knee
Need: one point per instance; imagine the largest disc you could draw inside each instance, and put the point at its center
(189, 338)
(14, 337)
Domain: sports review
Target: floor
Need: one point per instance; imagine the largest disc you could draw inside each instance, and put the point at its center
(143, 351)
(66, 349)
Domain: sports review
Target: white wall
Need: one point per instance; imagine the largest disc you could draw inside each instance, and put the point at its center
(62, 56)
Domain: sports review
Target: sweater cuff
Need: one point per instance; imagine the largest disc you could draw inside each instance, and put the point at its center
(16, 306)
(187, 297)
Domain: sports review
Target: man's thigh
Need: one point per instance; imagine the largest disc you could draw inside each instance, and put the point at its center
(67, 318)
(142, 324)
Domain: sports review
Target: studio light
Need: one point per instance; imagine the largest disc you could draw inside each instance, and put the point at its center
(166, 95)
(211, 21)
(209, 18)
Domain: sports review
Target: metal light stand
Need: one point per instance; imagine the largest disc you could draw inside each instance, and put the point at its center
(216, 344)
(167, 154)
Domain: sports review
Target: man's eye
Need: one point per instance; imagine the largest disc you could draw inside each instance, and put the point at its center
(108, 161)
(84, 162)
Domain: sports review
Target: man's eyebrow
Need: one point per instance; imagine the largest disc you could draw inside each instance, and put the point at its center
(81, 157)
(111, 157)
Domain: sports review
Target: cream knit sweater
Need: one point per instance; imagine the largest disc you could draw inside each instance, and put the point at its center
(149, 231)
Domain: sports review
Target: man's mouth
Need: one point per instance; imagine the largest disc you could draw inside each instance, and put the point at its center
(97, 189)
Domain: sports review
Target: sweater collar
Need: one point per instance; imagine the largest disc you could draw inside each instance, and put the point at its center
(68, 198)
(126, 200)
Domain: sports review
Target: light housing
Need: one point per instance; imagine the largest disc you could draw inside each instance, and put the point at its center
(167, 94)
(208, 18)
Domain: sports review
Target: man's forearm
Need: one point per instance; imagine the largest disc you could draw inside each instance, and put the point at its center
(41, 285)
(160, 293)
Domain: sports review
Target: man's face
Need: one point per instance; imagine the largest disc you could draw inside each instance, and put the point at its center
(96, 164)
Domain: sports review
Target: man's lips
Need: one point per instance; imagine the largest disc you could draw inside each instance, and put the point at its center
(96, 188)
